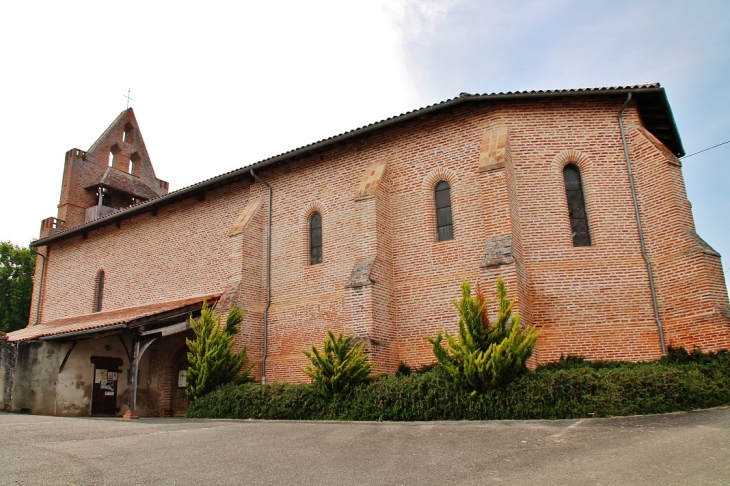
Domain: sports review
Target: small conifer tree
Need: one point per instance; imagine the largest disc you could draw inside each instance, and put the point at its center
(484, 355)
(211, 359)
(339, 367)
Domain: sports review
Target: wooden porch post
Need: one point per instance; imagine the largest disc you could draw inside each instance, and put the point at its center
(137, 354)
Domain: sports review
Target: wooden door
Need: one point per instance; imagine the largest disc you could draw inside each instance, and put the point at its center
(179, 398)
(104, 391)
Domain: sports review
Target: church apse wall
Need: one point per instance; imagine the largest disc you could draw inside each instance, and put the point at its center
(692, 296)
(591, 300)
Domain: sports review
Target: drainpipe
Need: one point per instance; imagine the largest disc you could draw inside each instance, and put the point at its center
(40, 288)
(641, 231)
(268, 278)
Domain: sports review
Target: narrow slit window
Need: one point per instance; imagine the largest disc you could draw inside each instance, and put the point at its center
(127, 137)
(99, 294)
(135, 164)
(315, 239)
(113, 152)
(444, 221)
(576, 206)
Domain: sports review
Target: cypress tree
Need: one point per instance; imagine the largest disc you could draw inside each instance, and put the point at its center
(339, 366)
(485, 355)
(212, 362)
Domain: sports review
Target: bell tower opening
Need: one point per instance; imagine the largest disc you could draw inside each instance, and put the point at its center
(115, 173)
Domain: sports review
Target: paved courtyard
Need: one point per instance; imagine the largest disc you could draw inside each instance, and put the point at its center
(684, 449)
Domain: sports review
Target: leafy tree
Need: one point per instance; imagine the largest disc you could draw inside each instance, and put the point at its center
(339, 367)
(211, 359)
(17, 266)
(484, 355)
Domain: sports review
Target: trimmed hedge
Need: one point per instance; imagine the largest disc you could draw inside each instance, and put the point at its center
(570, 388)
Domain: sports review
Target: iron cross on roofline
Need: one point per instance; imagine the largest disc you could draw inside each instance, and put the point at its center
(129, 90)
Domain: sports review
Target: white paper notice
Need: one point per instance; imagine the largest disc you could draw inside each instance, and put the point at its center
(182, 378)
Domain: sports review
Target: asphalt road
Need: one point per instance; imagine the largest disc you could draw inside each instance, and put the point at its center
(685, 449)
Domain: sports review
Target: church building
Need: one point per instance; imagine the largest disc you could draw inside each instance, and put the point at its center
(575, 197)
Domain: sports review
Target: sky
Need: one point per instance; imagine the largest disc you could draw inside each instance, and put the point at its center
(220, 85)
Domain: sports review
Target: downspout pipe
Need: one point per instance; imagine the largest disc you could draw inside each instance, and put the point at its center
(641, 230)
(40, 287)
(268, 278)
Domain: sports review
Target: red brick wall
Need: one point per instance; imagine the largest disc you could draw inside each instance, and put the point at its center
(162, 378)
(603, 287)
(593, 301)
(688, 274)
(183, 251)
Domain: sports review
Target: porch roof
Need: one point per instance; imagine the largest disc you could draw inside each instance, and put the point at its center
(127, 317)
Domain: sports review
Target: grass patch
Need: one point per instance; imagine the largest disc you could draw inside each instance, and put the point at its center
(567, 389)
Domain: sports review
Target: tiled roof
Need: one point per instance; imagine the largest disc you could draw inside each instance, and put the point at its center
(127, 183)
(236, 174)
(466, 96)
(105, 319)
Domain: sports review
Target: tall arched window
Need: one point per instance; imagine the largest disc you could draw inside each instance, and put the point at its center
(315, 239)
(99, 293)
(443, 211)
(576, 206)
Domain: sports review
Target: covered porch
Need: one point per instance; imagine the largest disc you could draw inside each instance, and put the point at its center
(125, 362)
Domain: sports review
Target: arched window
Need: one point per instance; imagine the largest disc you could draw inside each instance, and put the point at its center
(443, 211)
(99, 294)
(576, 206)
(315, 239)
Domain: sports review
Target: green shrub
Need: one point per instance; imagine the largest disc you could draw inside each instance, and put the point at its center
(681, 356)
(339, 367)
(212, 362)
(249, 401)
(577, 392)
(571, 361)
(426, 368)
(403, 369)
(484, 355)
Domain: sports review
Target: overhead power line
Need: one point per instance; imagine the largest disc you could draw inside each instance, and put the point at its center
(705, 150)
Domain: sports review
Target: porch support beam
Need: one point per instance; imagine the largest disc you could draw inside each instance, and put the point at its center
(126, 349)
(65, 358)
(168, 330)
(138, 352)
